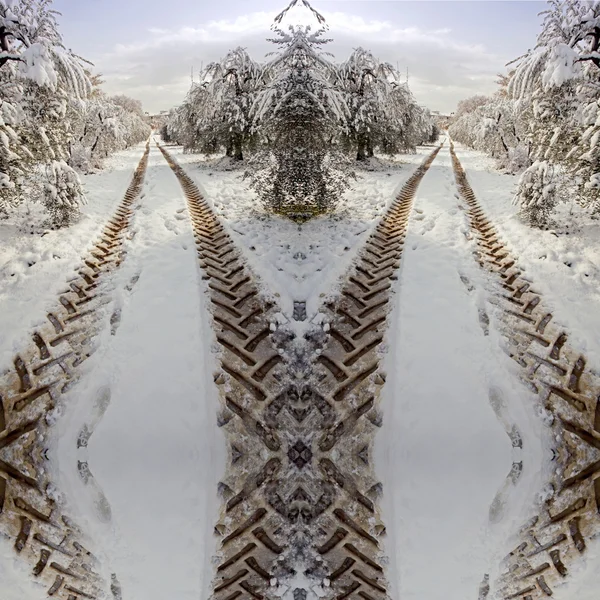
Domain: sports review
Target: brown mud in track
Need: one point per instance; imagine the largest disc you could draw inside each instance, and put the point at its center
(569, 391)
(300, 496)
(41, 533)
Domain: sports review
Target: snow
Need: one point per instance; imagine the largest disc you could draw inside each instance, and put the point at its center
(561, 67)
(15, 576)
(444, 454)
(564, 263)
(155, 453)
(34, 267)
(583, 581)
(452, 396)
(299, 263)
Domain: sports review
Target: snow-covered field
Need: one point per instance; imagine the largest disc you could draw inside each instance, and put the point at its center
(155, 452)
(451, 398)
(564, 262)
(299, 263)
(34, 266)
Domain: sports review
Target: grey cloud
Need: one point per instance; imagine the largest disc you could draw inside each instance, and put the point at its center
(442, 71)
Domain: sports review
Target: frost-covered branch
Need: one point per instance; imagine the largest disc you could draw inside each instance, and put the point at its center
(546, 119)
(50, 119)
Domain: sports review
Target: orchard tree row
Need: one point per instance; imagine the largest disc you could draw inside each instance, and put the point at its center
(300, 120)
(54, 118)
(544, 121)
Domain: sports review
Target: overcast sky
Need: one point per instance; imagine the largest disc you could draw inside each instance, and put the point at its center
(452, 49)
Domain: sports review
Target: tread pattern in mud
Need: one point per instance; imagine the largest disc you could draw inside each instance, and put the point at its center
(300, 497)
(569, 392)
(31, 518)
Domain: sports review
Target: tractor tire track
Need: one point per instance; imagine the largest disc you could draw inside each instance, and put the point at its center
(30, 516)
(569, 392)
(299, 497)
(348, 374)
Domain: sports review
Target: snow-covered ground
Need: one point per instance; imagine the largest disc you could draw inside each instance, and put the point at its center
(294, 263)
(450, 399)
(451, 396)
(564, 262)
(34, 266)
(155, 452)
(15, 576)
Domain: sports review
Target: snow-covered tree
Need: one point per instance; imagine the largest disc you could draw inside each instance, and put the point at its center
(546, 116)
(495, 126)
(232, 86)
(538, 192)
(560, 80)
(38, 77)
(129, 105)
(300, 117)
(382, 111)
(364, 83)
(183, 125)
(215, 114)
(45, 95)
(105, 125)
(300, 168)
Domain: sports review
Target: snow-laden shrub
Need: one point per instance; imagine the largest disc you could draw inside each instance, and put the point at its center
(538, 193)
(62, 193)
(518, 158)
(51, 113)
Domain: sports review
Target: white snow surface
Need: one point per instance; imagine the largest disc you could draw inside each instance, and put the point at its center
(15, 576)
(450, 398)
(34, 267)
(299, 263)
(156, 454)
(564, 262)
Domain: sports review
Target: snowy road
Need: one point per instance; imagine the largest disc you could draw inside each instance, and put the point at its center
(33, 267)
(444, 453)
(156, 454)
(144, 486)
(565, 262)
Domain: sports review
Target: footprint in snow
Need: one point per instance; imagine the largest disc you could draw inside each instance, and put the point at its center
(115, 318)
(101, 504)
(429, 225)
(467, 282)
(98, 411)
(498, 505)
(171, 226)
(132, 282)
(484, 321)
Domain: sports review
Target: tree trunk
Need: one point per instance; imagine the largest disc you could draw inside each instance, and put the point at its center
(361, 151)
(370, 153)
(95, 145)
(237, 147)
(229, 149)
